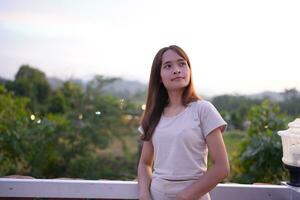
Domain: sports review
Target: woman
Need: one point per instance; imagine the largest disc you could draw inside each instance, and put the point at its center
(178, 129)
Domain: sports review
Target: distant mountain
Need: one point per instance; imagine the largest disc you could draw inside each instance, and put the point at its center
(275, 96)
(3, 80)
(55, 82)
(121, 88)
(135, 90)
(125, 88)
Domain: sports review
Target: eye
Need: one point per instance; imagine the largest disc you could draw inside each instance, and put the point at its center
(182, 63)
(167, 66)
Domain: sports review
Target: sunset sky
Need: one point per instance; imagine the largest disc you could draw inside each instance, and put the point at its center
(234, 46)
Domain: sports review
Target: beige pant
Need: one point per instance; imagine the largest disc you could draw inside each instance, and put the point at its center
(162, 189)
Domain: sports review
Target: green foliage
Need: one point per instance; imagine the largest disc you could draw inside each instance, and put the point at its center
(67, 98)
(14, 118)
(108, 166)
(32, 83)
(66, 135)
(261, 151)
(58, 103)
(234, 109)
(44, 151)
(88, 133)
(291, 103)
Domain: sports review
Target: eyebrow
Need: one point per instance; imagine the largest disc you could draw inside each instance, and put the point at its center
(181, 59)
(168, 62)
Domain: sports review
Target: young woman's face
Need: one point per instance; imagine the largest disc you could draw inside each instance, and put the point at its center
(175, 72)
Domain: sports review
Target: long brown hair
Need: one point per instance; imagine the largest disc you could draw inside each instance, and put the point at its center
(157, 97)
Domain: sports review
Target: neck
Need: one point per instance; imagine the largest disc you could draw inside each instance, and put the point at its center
(175, 98)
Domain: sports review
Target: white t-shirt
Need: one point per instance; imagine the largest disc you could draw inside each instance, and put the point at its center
(180, 150)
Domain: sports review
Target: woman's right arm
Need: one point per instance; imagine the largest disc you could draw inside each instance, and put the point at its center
(145, 170)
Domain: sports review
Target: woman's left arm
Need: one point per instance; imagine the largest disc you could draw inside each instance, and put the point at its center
(216, 173)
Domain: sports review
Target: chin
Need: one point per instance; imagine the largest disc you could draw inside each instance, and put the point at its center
(176, 87)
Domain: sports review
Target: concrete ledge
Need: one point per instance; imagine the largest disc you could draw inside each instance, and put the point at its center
(108, 189)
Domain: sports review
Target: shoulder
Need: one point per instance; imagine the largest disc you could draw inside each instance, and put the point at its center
(209, 116)
(202, 105)
(202, 102)
(204, 108)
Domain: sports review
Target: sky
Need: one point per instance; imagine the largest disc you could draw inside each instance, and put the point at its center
(235, 47)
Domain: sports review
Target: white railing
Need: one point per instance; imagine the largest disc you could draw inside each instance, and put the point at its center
(107, 189)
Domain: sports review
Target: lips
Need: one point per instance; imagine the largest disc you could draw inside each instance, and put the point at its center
(177, 78)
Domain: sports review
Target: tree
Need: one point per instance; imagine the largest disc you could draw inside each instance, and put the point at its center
(69, 137)
(67, 98)
(261, 153)
(291, 103)
(234, 109)
(14, 119)
(32, 83)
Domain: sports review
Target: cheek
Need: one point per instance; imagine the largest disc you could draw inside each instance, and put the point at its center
(187, 73)
(189, 76)
(165, 79)
(163, 76)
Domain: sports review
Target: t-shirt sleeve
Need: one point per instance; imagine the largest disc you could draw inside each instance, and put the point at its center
(211, 119)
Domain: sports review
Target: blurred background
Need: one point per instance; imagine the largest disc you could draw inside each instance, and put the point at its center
(74, 75)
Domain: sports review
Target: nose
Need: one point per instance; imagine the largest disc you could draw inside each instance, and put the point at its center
(176, 71)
